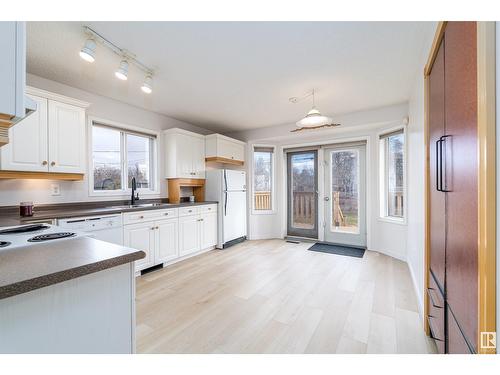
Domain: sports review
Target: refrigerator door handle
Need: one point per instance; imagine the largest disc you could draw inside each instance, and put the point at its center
(225, 203)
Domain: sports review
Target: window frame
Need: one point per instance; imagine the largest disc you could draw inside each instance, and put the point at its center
(272, 211)
(383, 149)
(125, 191)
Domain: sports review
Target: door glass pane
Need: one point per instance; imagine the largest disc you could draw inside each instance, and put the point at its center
(303, 185)
(106, 156)
(344, 191)
(138, 161)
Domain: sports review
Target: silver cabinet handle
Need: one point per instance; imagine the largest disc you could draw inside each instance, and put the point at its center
(327, 199)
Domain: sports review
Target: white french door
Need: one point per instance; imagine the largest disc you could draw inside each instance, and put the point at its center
(345, 195)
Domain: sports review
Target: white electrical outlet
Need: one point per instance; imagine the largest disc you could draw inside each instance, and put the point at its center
(55, 189)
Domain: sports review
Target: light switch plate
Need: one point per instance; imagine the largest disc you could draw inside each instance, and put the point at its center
(55, 189)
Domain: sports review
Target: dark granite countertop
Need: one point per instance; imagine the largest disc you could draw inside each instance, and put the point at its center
(10, 216)
(23, 269)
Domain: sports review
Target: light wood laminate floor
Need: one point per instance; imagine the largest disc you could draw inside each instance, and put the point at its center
(271, 296)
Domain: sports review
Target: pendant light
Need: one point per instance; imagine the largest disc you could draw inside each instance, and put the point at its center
(313, 118)
(87, 53)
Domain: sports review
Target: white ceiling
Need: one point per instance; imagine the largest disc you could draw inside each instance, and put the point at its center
(230, 76)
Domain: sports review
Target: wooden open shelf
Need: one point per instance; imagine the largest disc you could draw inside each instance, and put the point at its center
(218, 159)
(175, 185)
(41, 175)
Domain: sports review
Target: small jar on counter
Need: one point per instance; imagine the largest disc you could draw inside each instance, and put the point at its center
(26, 209)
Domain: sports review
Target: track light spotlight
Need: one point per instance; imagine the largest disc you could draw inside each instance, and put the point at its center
(147, 86)
(122, 71)
(88, 51)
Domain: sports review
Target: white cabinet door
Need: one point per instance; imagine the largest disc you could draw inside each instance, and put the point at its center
(185, 152)
(27, 148)
(198, 157)
(189, 234)
(208, 230)
(66, 138)
(141, 237)
(167, 240)
(12, 68)
(230, 150)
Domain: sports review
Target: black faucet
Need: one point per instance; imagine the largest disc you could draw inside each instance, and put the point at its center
(135, 196)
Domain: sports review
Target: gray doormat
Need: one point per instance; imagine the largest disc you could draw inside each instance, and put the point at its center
(356, 252)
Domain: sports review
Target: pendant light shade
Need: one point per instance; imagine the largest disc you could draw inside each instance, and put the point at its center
(314, 118)
(87, 53)
(122, 71)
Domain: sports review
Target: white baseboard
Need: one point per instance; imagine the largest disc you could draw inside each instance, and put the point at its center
(391, 254)
(420, 298)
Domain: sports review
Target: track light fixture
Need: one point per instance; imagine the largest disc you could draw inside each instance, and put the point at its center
(88, 51)
(122, 71)
(147, 86)
(88, 54)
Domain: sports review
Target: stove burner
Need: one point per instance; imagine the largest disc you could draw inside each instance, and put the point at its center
(51, 236)
(24, 229)
(4, 243)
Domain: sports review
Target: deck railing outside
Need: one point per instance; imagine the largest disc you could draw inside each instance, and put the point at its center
(262, 200)
(304, 207)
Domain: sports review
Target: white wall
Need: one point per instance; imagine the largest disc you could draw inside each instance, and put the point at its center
(386, 237)
(38, 191)
(416, 176)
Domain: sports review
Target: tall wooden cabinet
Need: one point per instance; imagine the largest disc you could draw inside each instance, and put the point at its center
(453, 193)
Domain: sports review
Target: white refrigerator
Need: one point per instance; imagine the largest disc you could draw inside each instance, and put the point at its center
(228, 187)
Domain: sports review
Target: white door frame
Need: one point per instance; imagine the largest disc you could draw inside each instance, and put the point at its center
(281, 150)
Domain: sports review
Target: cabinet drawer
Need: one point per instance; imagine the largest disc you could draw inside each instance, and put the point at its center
(457, 344)
(187, 211)
(151, 215)
(436, 317)
(209, 208)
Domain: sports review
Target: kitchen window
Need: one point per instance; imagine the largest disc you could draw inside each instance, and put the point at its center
(263, 170)
(393, 174)
(118, 155)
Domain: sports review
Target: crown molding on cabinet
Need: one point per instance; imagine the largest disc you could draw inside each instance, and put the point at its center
(53, 96)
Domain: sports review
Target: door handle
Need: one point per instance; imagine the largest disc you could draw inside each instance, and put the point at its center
(438, 142)
(327, 199)
(442, 140)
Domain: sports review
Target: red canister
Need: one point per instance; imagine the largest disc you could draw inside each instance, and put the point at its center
(26, 209)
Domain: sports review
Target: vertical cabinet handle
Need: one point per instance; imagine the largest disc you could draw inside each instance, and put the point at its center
(443, 187)
(437, 165)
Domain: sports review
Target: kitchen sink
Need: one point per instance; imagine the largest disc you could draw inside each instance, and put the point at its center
(145, 205)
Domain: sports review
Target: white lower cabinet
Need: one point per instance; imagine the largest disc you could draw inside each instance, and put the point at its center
(167, 240)
(187, 230)
(141, 237)
(189, 234)
(208, 230)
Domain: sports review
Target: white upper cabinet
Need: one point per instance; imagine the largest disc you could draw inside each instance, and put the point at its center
(223, 149)
(52, 139)
(66, 138)
(184, 153)
(28, 146)
(12, 68)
